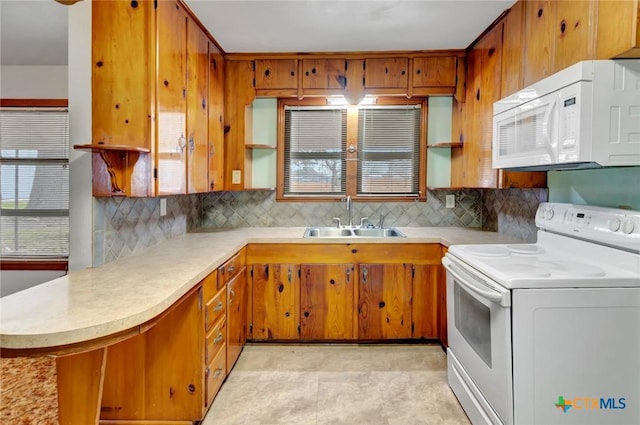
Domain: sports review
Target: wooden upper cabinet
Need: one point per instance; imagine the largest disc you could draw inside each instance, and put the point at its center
(198, 109)
(437, 71)
(216, 119)
(276, 74)
(512, 50)
(539, 35)
(386, 73)
(324, 74)
(574, 35)
(618, 29)
(172, 98)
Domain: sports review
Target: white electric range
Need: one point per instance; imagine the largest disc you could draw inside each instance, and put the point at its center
(549, 333)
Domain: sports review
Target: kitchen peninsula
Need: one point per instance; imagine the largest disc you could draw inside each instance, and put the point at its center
(93, 316)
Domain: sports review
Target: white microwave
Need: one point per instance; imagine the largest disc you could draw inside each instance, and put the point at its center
(585, 116)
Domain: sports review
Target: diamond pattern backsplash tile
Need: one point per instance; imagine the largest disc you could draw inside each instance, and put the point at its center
(259, 209)
(512, 211)
(123, 226)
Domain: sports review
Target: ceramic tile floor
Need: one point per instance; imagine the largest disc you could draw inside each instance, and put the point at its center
(337, 384)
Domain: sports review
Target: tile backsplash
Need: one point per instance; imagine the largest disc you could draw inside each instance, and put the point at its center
(229, 210)
(123, 226)
(512, 211)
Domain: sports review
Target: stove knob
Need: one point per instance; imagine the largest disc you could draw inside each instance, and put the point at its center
(614, 224)
(628, 226)
(548, 214)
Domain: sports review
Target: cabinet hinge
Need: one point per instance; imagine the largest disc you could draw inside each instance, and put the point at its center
(252, 272)
(253, 66)
(251, 328)
(363, 81)
(200, 299)
(299, 274)
(254, 82)
(346, 65)
(413, 327)
(298, 328)
(364, 64)
(413, 272)
(155, 4)
(155, 173)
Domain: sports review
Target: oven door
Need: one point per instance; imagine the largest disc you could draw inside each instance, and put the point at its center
(479, 331)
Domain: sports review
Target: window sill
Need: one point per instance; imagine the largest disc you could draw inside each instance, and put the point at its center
(32, 264)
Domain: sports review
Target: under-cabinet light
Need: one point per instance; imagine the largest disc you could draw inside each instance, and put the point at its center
(341, 101)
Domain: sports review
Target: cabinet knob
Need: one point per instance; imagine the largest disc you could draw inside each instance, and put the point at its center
(218, 338)
(182, 143)
(192, 145)
(218, 307)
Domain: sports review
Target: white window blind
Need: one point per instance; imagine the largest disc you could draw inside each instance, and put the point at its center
(389, 150)
(34, 164)
(315, 156)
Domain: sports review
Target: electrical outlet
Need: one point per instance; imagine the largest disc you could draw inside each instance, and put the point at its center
(236, 177)
(450, 201)
(163, 207)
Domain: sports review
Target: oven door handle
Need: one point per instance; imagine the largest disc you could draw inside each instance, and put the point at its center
(488, 294)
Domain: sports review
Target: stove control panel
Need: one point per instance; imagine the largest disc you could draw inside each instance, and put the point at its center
(611, 226)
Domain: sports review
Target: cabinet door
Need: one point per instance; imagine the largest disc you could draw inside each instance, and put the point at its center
(276, 74)
(159, 374)
(216, 119)
(438, 71)
(512, 50)
(276, 301)
(327, 301)
(384, 304)
(324, 74)
(171, 98)
(618, 29)
(426, 302)
(236, 317)
(197, 109)
(386, 73)
(539, 36)
(574, 39)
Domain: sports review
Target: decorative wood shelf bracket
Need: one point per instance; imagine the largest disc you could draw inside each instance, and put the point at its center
(118, 159)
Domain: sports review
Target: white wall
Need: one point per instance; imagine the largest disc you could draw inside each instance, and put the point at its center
(33, 82)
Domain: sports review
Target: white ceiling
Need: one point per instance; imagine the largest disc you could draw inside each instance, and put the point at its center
(34, 32)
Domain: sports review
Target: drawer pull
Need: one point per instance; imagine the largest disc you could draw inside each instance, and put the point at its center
(218, 308)
(232, 269)
(218, 338)
(218, 372)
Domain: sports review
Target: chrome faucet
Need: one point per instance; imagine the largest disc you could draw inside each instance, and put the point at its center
(349, 211)
(381, 223)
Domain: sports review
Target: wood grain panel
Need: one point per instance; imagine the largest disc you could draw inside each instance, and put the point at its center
(236, 317)
(513, 50)
(276, 301)
(197, 109)
(385, 73)
(425, 312)
(618, 29)
(216, 119)
(399, 253)
(574, 35)
(276, 74)
(539, 35)
(327, 301)
(324, 74)
(83, 371)
(434, 71)
(214, 375)
(172, 98)
(384, 303)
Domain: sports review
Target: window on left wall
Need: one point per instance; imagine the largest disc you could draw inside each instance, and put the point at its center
(34, 198)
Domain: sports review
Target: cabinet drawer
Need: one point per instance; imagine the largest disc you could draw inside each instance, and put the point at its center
(215, 374)
(210, 286)
(230, 269)
(215, 309)
(215, 341)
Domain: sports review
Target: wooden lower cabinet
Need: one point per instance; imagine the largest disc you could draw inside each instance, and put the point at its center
(276, 301)
(159, 374)
(327, 301)
(384, 301)
(346, 292)
(236, 317)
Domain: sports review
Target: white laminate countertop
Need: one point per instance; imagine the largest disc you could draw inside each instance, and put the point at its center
(118, 296)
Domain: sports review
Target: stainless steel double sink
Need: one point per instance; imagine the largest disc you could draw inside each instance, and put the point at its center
(363, 232)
